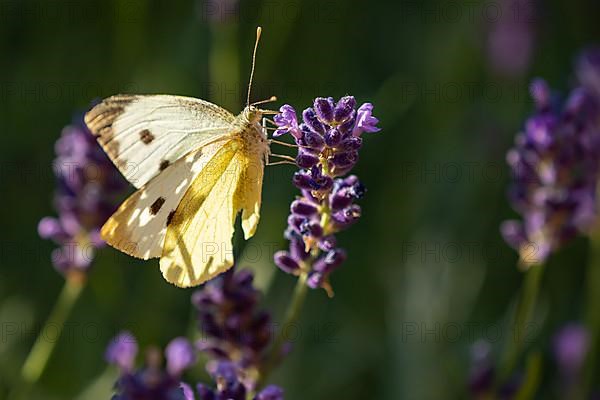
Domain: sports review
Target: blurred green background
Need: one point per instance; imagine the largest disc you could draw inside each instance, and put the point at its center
(428, 274)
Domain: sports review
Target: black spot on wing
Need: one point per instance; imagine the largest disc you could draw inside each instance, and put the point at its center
(155, 207)
(170, 217)
(164, 164)
(146, 136)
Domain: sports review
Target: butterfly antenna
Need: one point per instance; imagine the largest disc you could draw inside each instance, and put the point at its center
(269, 100)
(258, 32)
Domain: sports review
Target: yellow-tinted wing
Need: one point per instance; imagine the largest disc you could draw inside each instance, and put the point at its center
(249, 192)
(139, 226)
(198, 243)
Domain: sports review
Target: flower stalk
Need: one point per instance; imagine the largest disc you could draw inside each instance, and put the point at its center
(592, 319)
(522, 320)
(40, 353)
(291, 316)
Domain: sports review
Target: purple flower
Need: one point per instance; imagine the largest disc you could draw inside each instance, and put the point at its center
(271, 392)
(329, 140)
(555, 167)
(180, 355)
(365, 121)
(122, 351)
(587, 70)
(287, 122)
(235, 330)
(229, 386)
(324, 108)
(150, 382)
(482, 375)
(540, 93)
(188, 392)
(511, 37)
(85, 198)
(153, 382)
(571, 345)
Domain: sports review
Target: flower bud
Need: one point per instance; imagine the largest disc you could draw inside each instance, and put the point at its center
(303, 208)
(343, 109)
(310, 119)
(333, 137)
(306, 159)
(285, 262)
(324, 108)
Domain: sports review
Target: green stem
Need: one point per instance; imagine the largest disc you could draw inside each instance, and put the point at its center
(42, 349)
(532, 377)
(523, 314)
(291, 316)
(592, 319)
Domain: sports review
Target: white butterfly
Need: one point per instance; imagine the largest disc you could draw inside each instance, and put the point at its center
(196, 166)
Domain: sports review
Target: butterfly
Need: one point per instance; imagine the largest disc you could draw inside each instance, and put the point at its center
(196, 166)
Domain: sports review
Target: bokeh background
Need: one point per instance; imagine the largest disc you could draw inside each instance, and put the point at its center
(428, 275)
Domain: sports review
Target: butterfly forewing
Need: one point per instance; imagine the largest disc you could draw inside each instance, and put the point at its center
(145, 134)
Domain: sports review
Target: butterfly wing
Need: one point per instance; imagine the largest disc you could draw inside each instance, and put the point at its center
(139, 226)
(145, 134)
(198, 243)
(249, 192)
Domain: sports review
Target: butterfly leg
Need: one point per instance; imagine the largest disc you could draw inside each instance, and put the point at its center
(286, 160)
(283, 143)
(265, 126)
(284, 157)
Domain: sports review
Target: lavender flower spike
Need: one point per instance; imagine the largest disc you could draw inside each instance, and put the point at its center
(84, 199)
(555, 165)
(329, 140)
(229, 386)
(151, 381)
(234, 329)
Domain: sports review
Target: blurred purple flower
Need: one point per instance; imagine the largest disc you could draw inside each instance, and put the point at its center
(229, 386)
(511, 37)
(180, 355)
(571, 344)
(151, 382)
(87, 183)
(122, 351)
(587, 69)
(329, 138)
(235, 330)
(555, 166)
(482, 375)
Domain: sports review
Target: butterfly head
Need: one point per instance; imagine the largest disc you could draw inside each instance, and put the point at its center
(252, 114)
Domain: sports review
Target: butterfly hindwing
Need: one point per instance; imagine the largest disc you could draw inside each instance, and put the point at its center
(198, 243)
(139, 226)
(145, 134)
(249, 193)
